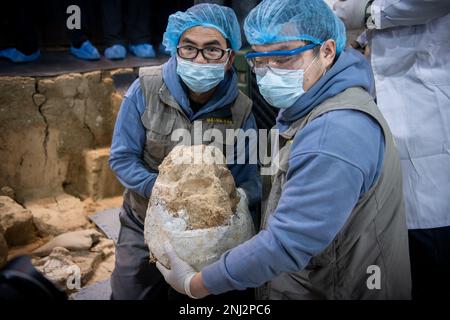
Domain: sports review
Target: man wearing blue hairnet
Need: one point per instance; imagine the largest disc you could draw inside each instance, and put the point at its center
(196, 88)
(334, 224)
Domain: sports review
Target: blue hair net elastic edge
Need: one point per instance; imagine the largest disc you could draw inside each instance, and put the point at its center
(199, 24)
(303, 37)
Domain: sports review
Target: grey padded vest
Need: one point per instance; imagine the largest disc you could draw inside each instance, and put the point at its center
(375, 233)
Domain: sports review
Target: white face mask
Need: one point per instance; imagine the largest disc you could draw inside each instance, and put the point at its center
(281, 88)
(200, 77)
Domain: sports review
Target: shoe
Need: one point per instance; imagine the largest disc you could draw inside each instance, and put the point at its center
(143, 50)
(86, 52)
(18, 57)
(116, 52)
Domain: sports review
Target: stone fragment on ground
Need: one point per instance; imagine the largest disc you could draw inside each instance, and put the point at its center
(57, 215)
(58, 267)
(73, 241)
(68, 270)
(3, 249)
(16, 222)
(8, 192)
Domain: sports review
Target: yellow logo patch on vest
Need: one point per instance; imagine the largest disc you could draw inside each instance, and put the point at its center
(220, 120)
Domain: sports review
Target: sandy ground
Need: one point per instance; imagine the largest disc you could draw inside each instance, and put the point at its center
(104, 269)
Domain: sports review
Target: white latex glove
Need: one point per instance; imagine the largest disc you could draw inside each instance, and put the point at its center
(180, 274)
(352, 12)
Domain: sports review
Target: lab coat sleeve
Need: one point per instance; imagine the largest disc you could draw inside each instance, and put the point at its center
(396, 13)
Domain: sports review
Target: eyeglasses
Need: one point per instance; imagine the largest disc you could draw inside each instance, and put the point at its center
(209, 53)
(280, 59)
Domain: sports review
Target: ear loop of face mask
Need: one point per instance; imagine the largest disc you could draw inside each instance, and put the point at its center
(314, 60)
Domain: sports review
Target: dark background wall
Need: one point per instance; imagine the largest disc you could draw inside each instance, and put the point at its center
(49, 20)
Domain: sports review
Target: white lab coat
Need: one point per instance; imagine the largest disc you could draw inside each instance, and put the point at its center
(410, 56)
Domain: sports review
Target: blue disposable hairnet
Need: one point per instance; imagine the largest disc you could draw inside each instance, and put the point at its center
(286, 20)
(214, 16)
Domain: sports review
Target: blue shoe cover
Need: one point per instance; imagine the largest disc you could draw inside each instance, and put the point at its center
(143, 50)
(86, 52)
(116, 52)
(18, 57)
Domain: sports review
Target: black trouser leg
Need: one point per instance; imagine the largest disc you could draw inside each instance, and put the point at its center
(24, 26)
(138, 21)
(430, 263)
(112, 22)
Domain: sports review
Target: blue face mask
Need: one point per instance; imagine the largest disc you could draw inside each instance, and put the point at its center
(199, 77)
(281, 88)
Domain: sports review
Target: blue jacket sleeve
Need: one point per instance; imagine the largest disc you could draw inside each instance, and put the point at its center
(128, 144)
(247, 175)
(331, 165)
